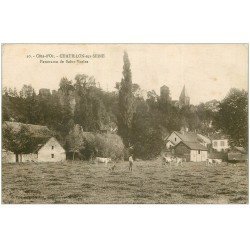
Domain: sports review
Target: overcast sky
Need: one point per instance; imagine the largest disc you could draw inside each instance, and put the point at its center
(208, 71)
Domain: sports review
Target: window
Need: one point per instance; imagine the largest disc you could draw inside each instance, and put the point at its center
(222, 143)
(52, 155)
(199, 151)
(215, 143)
(52, 147)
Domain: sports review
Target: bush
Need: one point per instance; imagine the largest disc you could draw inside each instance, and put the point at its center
(102, 145)
(87, 145)
(109, 145)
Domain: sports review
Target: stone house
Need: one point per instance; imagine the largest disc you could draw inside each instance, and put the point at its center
(45, 150)
(44, 147)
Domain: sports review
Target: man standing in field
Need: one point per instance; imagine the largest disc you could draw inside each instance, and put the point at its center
(131, 161)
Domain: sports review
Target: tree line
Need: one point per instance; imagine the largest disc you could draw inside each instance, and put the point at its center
(141, 122)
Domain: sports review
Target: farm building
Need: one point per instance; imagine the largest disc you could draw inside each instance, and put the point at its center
(192, 151)
(41, 150)
(45, 150)
(237, 154)
(43, 147)
(175, 137)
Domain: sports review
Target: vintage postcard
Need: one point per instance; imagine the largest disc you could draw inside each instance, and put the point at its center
(124, 124)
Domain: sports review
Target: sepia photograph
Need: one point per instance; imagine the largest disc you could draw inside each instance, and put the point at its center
(125, 124)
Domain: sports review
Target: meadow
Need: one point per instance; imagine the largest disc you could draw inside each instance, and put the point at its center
(149, 183)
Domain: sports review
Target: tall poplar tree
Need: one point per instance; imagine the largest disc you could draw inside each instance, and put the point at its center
(126, 102)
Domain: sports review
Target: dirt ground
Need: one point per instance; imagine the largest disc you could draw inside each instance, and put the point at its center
(149, 182)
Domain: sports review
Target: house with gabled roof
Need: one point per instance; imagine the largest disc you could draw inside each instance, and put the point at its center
(220, 142)
(188, 145)
(175, 137)
(44, 150)
(44, 147)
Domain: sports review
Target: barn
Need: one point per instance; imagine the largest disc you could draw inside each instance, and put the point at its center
(191, 151)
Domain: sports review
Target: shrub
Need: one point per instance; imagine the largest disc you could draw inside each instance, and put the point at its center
(109, 145)
(89, 145)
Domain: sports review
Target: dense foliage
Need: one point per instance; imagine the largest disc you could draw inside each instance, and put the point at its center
(126, 102)
(87, 145)
(232, 117)
(16, 141)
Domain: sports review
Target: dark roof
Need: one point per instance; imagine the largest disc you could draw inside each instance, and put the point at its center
(193, 145)
(39, 135)
(204, 138)
(191, 137)
(188, 136)
(35, 130)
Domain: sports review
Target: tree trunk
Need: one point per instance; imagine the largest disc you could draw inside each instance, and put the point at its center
(74, 155)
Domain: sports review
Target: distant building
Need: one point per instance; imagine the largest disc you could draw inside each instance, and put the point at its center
(175, 137)
(188, 145)
(44, 92)
(219, 142)
(184, 99)
(191, 151)
(165, 94)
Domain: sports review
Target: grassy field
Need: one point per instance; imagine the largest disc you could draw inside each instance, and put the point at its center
(150, 182)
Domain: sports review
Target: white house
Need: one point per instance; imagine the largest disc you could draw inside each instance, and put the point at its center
(219, 142)
(43, 146)
(47, 150)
